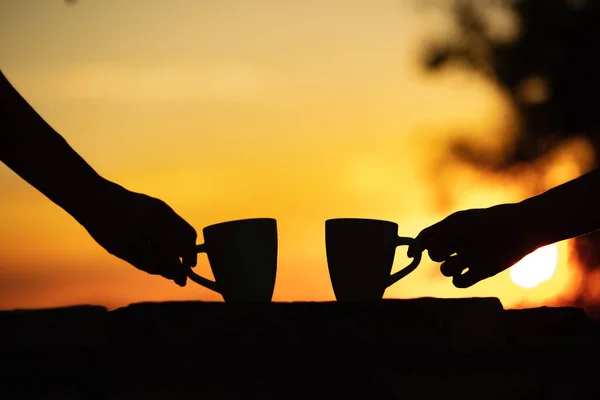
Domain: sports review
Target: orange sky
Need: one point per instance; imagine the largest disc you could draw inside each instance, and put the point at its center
(297, 110)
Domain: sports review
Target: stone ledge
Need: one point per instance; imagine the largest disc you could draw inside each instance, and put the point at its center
(59, 329)
(466, 326)
(394, 343)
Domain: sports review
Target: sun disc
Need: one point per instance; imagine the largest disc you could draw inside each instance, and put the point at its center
(536, 267)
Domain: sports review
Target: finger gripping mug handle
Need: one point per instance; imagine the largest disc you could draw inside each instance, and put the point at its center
(396, 276)
(201, 248)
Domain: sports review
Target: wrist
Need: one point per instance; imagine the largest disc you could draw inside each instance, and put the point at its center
(90, 193)
(516, 223)
(541, 221)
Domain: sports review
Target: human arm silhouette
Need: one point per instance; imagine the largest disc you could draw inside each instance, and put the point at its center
(489, 240)
(137, 228)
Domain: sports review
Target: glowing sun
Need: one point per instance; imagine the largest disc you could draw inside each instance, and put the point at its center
(536, 267)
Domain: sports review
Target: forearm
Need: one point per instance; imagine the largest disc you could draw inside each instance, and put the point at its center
(566, 211)
(34, 151)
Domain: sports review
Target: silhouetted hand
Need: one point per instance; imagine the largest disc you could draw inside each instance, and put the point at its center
(141, 230)
(483, 241)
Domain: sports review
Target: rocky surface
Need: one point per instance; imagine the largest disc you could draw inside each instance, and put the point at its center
(420, 348)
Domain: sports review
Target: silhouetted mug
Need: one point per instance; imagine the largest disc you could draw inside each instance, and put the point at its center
(360, 256)
(243, 258)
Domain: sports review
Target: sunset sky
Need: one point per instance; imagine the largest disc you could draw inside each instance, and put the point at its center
(227, 109)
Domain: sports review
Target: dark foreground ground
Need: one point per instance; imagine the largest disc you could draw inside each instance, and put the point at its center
(413, 349)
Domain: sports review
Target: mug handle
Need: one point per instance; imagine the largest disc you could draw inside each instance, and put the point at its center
(201, 248)
(396, 276)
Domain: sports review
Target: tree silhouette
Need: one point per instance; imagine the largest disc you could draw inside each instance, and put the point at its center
(549, 71)
(554, 50)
